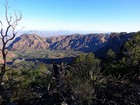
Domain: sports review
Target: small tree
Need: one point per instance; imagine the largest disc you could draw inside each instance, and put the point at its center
(7, 34)
(111, 54)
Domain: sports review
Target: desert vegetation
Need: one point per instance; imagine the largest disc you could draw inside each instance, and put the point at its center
(87, 81)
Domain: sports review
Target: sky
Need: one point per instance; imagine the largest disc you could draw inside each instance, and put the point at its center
(77, 15)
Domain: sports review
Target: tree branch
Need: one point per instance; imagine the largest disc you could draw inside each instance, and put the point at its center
(1, 31)
(6, 13)
(11, 24)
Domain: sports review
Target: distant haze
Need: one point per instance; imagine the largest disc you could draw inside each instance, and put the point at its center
(57, 33)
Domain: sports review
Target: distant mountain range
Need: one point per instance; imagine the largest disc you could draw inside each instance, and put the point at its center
(57, 33)
(97, 43)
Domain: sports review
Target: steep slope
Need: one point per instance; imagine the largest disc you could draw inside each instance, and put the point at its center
(86, 43)
(31, 41)
(115, 41)
(98, 43)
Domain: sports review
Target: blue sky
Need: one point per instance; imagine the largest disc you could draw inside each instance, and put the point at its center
(77, 15)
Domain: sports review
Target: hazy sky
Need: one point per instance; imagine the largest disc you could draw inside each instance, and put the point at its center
(84, 15)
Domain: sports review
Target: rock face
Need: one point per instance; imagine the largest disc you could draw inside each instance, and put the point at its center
(99, 43)
(25, 42)
(114, 42)
(86, 43)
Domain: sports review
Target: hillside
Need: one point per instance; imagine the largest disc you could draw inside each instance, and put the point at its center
(114, 42)
(77, 42)
(86, 43)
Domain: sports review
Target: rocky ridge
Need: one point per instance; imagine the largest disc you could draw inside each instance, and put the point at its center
(86, 43)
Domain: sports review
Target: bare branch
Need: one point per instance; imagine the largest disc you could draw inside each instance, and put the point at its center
(6, 13)
(1, 31)
(11, 24)
(6, 52)
(7, 29)
(17, 19)
(1, 24)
